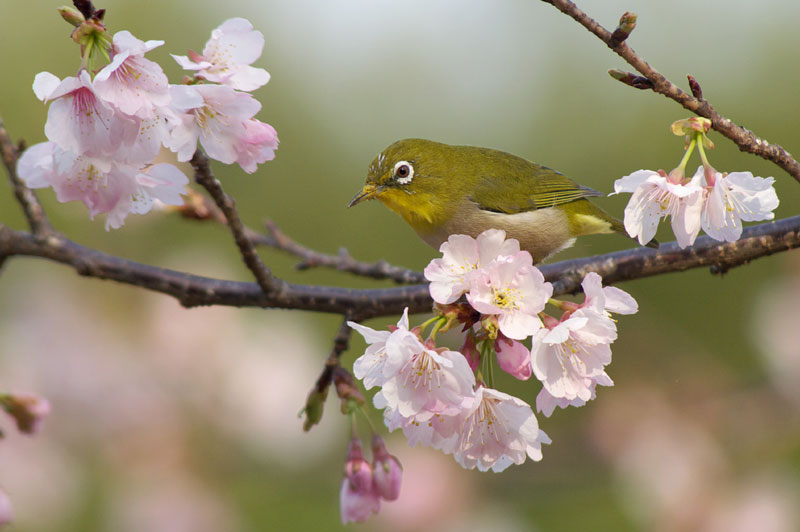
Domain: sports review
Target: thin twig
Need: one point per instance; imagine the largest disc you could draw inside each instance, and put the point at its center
(746, 140)
(192, 290)
(343, 262)
(199, 207)
(34, 213)
(204, 177)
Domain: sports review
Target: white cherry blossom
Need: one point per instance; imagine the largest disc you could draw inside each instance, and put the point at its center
(227, 56)
(499, 430)
(461, 256)
(656, 196)
(514, 290)
(735, 197)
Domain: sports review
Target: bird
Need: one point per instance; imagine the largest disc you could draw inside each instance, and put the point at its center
(441, 190)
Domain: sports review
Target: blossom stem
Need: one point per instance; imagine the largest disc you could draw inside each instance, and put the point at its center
(428, 322)
(688, 154)
(369, 421)
(436, 326)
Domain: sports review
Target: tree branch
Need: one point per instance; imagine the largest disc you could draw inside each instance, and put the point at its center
(743, 138)
(204, 177)
(192, 290)
(34, 213)
(342, 262)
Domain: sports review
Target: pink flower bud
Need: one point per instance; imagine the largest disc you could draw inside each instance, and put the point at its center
(357, 506)
(387, 473)
(513, 357)
(357, 470)
(470, 352)
(27, 410)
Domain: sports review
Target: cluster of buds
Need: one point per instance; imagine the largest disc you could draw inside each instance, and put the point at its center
(365, 484)
(105, 127)
(715, 201)
(446, 399)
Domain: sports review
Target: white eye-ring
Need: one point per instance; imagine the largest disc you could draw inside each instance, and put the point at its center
(403, 172)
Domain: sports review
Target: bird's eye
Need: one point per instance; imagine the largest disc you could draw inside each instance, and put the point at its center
(403, 172)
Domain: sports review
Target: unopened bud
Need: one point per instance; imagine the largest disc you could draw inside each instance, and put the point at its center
(387, 473)
(470, 352)
(27, 410)
(490, 325)
(71, 15)
(356, 469)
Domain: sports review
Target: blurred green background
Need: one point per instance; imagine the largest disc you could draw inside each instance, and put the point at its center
(167, 419)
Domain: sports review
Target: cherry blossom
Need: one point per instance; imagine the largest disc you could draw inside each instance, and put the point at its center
(227, 56)
(461, 256)
(656, 196)
(256, 146)
(428, 382)
(103, 185)
(79, 120)
(546, 403)
(514, 290)
(735, 197)
(131, 83)
(374, 367)
(213, 114)
(603, 299)
(499, 430)
(569, 355)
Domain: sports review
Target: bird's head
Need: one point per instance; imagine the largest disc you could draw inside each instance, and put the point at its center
(409, 177)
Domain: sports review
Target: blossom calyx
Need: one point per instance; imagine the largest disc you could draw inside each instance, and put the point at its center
(347, 390)
(71, 15)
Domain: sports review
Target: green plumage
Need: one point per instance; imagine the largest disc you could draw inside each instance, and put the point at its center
(441, 190)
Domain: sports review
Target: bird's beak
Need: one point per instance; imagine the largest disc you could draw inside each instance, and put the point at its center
(367, 193)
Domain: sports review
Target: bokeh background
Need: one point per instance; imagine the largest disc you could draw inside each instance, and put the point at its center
(166, 419)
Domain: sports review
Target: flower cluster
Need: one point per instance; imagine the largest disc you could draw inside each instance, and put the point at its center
(446, 399)
(105, 130)
(365, 484)
(714, 201)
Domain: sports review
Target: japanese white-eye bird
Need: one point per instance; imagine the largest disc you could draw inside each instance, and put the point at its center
(441, 190)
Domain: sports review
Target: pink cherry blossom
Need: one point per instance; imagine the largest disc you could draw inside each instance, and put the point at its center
(429, 382)
(656, 196)
(546, 403)
(603, 299)
(213, 114)
(436, 430)
(514, 290)
(461, 256)
(133, 84)
(735, 197)
(374, 367)
(233, 46)
(103, 185)
(513, 357)
(574, 352)
(78, 120)
(387, 473)
(499, 430)
(256, 146)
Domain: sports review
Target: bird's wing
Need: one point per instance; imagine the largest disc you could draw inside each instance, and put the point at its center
(536, 188)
